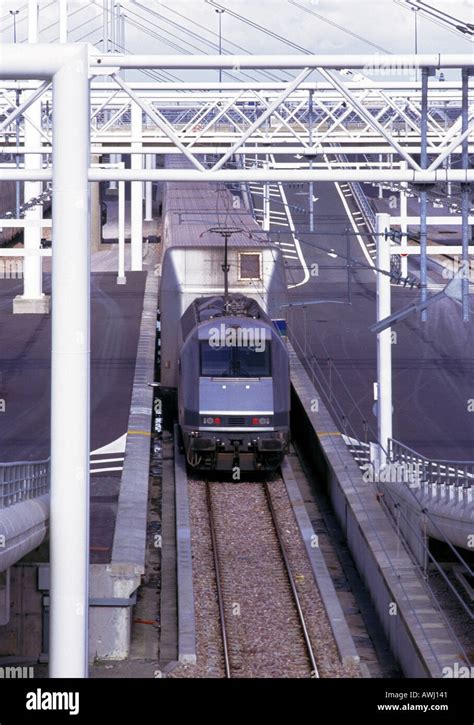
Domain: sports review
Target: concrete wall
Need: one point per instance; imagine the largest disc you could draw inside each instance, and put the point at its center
(22, 636)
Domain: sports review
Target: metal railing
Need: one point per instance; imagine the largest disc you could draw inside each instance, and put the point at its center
(359, 451)
(360, 197)
(363, 204)
(23, 480)
(457, 473)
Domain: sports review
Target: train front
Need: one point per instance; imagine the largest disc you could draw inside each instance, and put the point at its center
(234, 395)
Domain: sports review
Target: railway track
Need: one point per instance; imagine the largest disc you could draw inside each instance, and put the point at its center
(251, 638)
(257, 607)
(259, 613)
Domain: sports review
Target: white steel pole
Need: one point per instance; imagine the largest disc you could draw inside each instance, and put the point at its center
(105, 26)
(380, 185)
(121, 279)
(118, 42)
(70, 373)
(404, 224)
(122, 40)
(278, 61)
(32, 235)
(459, 176)
(148, 191)
(449, 189)
(33, 10)
(32, 300)
(266, 201)
(113, 27)
(136, 204)
(113, 183)
(384, 339)
(62, 21)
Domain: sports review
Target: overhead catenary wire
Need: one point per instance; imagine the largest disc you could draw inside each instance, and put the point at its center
(139, 26)
(173, 45)
(211, 44)
(432, 18)
(339, 27)
(259, 27)
(154, 74)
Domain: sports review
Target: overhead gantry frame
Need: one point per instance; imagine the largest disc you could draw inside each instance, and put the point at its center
(70, 68)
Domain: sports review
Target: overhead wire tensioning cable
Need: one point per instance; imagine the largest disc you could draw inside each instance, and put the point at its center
(141, 20)
(213, 45)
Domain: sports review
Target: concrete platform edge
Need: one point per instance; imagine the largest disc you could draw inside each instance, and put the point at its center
(184, 563)
(130, 529)
(110, 626)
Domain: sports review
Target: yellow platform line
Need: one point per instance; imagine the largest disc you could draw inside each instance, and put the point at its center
(322, 433)
(139, 433)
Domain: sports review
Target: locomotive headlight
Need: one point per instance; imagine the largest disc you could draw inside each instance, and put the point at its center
(212, 421)
(260, 421)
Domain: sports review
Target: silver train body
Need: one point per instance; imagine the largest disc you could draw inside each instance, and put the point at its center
(233, 386)
(192, 308)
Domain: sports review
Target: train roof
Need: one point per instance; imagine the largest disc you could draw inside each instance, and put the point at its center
(191, 209)
(205, 309)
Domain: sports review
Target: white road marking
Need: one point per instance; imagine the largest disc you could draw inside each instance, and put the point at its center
(116, 446)
(105, 470)
(354, 226)
(107, 460)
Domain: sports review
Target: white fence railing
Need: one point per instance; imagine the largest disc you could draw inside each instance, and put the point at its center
(23, 480)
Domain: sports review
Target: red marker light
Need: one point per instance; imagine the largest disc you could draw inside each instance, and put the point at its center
(218, 421)
(255, 421)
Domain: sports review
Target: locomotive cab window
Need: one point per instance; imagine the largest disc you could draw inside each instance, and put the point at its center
(215, 361)
(250, 265)
(239, 361)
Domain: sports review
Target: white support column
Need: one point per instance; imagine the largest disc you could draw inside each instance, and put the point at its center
(113, 184)
(266, 201)
(62, 8)
(113, 27)
(380, 185)
(121, 278)
(136, 204)
(448, 166)
(105, 25)
(384, 339)
(150, 159)
(404, 214)
(70, 372)
(33, 11)
(32, 300)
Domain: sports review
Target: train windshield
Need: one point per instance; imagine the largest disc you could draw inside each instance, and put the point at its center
(239, 361)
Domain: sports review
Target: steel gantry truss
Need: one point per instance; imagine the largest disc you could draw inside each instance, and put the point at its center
(350, 117)
(410, 123)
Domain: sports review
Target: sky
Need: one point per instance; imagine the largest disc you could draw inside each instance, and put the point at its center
(382, 22)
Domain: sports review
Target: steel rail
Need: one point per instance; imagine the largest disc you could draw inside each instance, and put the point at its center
(220, 595)
(299, 609)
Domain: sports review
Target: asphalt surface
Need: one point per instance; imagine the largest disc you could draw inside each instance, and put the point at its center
(25, 368)
(433, 366)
